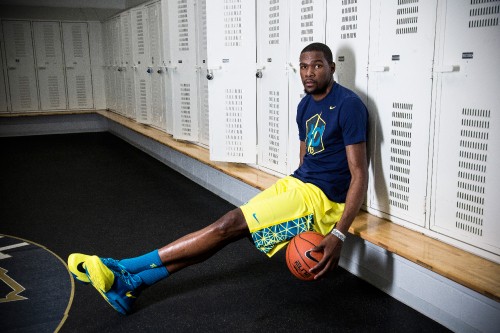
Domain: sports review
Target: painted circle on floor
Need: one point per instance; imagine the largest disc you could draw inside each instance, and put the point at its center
(36, 288)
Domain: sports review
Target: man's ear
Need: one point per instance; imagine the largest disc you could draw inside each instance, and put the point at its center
(332, 67)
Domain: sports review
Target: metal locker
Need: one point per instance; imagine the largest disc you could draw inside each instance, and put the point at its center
(118, 64)
(307, 25)
(400, 71)
(231, 68)
(184, 77)
(108, 54)
(272, 83)
(127, 65)
(20, 65)
(465, 178)
(158, 72)
(201, 70)
(347, 35)
(140, 51)
(3, 92)
(50, 65)
(167, 65)
(77, 58)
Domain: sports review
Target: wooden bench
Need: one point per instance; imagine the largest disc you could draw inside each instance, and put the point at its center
(469, 270)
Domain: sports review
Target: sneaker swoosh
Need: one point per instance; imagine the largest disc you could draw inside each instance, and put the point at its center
(129, 294)
(80, 268)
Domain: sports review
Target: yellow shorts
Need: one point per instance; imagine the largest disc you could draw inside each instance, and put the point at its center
(287, 208)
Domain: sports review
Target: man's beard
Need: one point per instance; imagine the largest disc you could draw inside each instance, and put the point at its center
(319, 90)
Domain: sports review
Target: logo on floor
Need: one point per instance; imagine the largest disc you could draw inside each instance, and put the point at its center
(36, 289)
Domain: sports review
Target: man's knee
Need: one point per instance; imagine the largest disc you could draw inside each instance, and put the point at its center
(232, 224)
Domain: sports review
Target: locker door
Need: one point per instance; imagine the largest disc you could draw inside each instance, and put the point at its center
(49, 59)
(399, 84)
(77, 58)
(3, 92)
(201, 67)
(127, 65)
(158, 73)
(118, 65)
(231, 48)
(307, 25)
(466, 181)
(140, 51)
(20, 65)
(184, 77)
(167, 64)
(347, 34)
(272, 84)
(108, 55)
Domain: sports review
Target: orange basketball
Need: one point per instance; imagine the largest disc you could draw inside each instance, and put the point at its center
(300, 258)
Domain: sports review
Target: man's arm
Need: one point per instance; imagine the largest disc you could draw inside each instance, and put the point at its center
(302, 151)
(331, 245)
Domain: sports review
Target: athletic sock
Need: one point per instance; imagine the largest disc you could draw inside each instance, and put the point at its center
(141, 263)
(153, 275)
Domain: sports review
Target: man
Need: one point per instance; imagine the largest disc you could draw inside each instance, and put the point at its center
(324, 194)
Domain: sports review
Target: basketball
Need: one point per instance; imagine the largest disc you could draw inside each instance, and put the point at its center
(299, 258)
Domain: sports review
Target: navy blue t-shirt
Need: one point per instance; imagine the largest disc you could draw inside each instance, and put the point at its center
(326, 127)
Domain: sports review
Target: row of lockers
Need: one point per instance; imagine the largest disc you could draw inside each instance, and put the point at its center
(224, 73)
(421, 68)
(47, 66)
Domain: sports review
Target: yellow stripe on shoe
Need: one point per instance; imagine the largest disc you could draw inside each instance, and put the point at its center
(99, 274)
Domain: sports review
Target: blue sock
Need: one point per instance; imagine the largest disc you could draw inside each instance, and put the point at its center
(141, 263)
(151, 276)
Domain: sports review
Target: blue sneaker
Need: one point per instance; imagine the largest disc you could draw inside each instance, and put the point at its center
(76, 261)
(119, 288)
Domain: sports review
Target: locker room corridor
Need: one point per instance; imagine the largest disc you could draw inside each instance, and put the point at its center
(94, 193)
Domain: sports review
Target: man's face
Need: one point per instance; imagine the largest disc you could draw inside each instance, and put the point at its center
(316, 73)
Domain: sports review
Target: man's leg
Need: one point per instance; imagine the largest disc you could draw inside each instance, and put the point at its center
(121, 281)
(202, 244)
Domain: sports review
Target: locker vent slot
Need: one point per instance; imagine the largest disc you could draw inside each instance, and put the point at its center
(472, 161)
(205, 133)
(130, 95)
(126, 38)
(401, 133)
(483, 16)
(273, 147)
(81, 91)
(53, 85)
(77, 37)
(232, 22)
(234, 128)
(274, 22)
(185, 109)
(19, 40)
(140, 32)
(407, 17)
(143, 100)
(48, 40)
(349, 19)
(24, 92)
(183, 25)
(307, 21)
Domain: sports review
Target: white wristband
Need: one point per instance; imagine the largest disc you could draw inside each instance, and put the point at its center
(338, 234)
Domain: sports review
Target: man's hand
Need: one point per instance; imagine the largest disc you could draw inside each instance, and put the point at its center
(331, 247)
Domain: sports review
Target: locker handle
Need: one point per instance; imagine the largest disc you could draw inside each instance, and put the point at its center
(379, 68)
(446, 68)
(70, 67)
(11, 68)
(292, 67)
(171, 67)
(42, 67)
(210, 72)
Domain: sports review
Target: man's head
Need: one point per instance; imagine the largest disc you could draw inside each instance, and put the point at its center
(316, 69)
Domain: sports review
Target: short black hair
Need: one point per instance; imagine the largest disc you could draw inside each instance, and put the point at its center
(321, 48)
